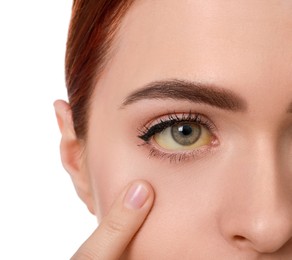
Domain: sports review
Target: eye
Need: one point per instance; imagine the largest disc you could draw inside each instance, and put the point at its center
(183, 136)
(179, 135)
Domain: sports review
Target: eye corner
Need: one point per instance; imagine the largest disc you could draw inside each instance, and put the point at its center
(144, 137)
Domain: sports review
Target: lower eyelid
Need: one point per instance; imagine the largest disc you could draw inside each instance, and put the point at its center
(181, 156)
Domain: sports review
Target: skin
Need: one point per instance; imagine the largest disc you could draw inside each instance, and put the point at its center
(232, 202)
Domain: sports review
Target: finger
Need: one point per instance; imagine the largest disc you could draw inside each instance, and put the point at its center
(116, 230)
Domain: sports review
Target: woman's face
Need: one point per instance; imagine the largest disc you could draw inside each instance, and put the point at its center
(207, 85)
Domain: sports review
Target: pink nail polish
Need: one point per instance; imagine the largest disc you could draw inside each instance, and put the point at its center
(136, 196)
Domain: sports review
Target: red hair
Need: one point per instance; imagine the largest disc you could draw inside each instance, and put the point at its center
(92, 28)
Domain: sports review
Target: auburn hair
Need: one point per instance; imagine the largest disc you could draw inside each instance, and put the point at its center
(92, 28)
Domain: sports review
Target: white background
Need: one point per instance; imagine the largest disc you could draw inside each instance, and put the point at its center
(41, 216)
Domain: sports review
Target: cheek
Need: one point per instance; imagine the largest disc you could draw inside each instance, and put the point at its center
(184, 206)
(112, 164)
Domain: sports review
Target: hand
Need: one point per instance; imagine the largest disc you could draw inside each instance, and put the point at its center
(109, 240)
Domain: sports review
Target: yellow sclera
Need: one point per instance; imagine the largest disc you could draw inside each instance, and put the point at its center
(165, 139)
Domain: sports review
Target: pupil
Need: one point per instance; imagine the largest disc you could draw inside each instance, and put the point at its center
(185, 130)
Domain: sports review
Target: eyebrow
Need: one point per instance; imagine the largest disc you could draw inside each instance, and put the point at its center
(194, 92)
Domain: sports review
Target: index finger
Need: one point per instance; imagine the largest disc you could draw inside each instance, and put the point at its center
(118, 228)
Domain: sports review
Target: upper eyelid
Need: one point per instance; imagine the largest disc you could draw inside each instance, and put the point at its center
(178, 117)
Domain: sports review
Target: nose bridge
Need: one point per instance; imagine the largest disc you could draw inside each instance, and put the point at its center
(261, 172)
(264, 167)
(260, 217)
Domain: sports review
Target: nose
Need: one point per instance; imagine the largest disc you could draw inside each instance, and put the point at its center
(265, 233)
(256, 211)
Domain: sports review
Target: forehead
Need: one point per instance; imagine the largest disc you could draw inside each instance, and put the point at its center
(238, 44)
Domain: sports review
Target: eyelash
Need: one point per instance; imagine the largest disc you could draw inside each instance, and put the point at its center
(146, 134)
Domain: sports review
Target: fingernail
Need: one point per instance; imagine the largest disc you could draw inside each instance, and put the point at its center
(136, 196)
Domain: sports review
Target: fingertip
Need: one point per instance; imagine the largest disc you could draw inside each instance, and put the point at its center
(136, 196)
